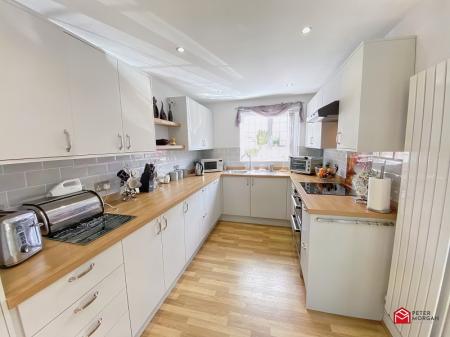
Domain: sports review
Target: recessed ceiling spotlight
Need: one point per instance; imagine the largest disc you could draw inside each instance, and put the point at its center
(306, 30)
(180, 49)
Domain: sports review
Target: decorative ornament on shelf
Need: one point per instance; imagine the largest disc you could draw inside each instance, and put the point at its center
(162, 113)
(170, 112)
(155, 108)
(172, 141)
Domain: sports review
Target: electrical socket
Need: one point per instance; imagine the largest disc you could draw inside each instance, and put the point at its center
(102, 186)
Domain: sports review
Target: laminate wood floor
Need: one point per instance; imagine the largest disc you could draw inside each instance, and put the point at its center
(245, 282)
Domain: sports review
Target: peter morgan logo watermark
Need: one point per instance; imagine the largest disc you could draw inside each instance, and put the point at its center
(404, 316)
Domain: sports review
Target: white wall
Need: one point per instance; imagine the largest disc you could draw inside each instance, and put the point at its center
(226, 133)
(429, 20)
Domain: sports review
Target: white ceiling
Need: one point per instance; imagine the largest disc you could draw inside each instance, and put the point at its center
(234, 48)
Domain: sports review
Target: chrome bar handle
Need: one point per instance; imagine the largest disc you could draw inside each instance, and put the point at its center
(165, 223)
(159, 227)
(356, 222)
(121, 141)
(129, 141)
(84, 306)
(88, 270)
(97, 325)
(69, 140)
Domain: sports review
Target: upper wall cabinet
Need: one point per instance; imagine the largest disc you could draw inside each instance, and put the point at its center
(197, 124)
(35, 110)
(95, 99)
(137, 110)
(372, 90)
(374, 96)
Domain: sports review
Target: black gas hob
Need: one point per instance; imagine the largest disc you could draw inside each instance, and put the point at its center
(327, 189)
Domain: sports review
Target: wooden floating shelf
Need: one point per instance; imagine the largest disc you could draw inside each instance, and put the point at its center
(163, 122)
(169, 147)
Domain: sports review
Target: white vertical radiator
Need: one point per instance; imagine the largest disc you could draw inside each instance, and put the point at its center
(422, 236)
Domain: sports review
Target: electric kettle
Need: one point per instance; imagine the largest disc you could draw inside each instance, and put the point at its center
(198, 168)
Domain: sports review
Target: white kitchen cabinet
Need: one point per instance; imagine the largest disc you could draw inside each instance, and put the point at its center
(193, 223)
(137, 110)
(321, 135)
(174, 252)
(268, 197)
(345, 264)
(373, 96)
(314, 104)
(236, 195)
(144, 272)
(35, 111)
(216, 192)
(331, 91)
(3, 329)
(197, 124)
(94, 99)
(121, 329)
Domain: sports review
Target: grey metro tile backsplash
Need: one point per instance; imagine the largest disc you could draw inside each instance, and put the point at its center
(20, 182)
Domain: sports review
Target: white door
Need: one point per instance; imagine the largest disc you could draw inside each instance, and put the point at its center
(95, 99)
(193, 222)
(174, 252)
(304, 246)
(236, 195)
(137, 110)
(195, 125)
(268, 198)
(142, 251)
(34, 92)
(350, 102)
(216, 193)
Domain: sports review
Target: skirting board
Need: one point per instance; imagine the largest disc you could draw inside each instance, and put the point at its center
(252, 220)
(390, 326)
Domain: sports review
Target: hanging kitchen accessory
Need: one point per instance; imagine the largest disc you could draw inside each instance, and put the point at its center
(170, 112)
(162, 113)
(129, 183)
(155, 108)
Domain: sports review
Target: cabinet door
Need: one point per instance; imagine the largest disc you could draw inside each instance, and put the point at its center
(3, 329)
(216, 188)
(137, 110)
(193, 223)
(350, 102)
(236, 195)
(121, 329)
(95, 99)
(34, 90)
(174, 252)
(313, 135)
(208, 129)
(304, 248)
(143, 259)
(268, 198)
(195, 125)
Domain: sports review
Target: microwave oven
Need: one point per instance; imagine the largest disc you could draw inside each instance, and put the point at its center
(212, 165)
(304, 165)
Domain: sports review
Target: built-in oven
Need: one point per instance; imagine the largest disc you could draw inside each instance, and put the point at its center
(296, 220)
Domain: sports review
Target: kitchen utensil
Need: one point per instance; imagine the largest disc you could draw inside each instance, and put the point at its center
(198, 168)
(148, 178)
(66, 187)
(20, 237)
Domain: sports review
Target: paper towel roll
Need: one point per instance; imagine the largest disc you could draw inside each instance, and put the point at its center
(379, 196)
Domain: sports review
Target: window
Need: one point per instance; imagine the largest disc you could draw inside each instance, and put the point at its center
(268, 138)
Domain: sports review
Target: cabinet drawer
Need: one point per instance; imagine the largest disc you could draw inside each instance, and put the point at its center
(113, 314)
(40, 309)
(122, 328)
(74, 318)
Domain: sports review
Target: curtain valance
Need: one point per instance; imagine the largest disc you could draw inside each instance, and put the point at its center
(270, 110)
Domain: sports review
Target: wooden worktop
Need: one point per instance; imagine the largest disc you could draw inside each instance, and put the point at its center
(58, 258)
(334, 205)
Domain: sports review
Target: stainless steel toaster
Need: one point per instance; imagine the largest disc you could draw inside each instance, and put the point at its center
(20, 237)
(57, 213)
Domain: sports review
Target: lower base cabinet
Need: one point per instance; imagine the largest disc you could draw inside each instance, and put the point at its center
(144, 272)
(174, 253)
(236, 195)
(121, 329)
(193, 223)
